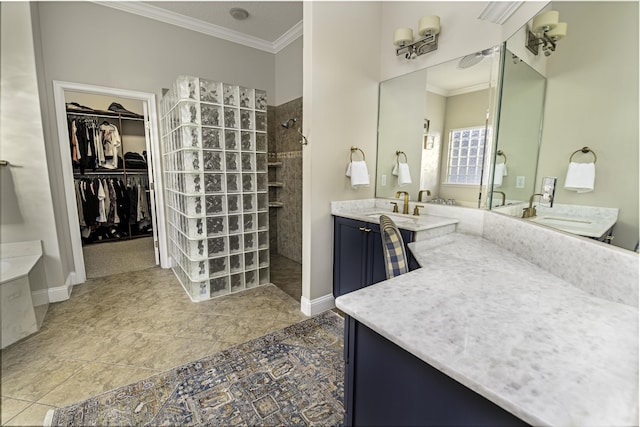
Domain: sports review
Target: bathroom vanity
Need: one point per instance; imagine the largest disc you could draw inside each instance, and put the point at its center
(23, 290)
(481, 336)
(492, 331)
(358, 259)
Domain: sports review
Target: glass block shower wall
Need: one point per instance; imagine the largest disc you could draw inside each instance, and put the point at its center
(214, 138)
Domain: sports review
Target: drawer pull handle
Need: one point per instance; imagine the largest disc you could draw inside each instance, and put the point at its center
(365, 229)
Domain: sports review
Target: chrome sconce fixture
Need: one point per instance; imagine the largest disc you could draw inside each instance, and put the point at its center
(546, 31)
(428, 29)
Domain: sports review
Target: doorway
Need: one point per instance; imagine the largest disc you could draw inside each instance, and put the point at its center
(106, 247)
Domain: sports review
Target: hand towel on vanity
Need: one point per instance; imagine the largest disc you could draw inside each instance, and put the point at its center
(359, 174)
(401, 170)
(581, 177)
(499, 172)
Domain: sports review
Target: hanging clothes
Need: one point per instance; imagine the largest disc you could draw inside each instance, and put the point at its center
(111, 143)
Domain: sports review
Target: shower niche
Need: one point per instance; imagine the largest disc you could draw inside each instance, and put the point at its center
(214, 138)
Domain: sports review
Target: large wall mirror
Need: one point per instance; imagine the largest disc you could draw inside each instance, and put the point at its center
(585, 94)
(520, 109)
(437, 121)
(591, 100)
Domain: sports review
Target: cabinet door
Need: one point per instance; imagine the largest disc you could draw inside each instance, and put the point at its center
(349, 256)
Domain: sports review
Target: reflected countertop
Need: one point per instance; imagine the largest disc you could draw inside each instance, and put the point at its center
(523, 338)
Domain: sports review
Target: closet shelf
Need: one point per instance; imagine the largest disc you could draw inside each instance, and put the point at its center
(107, 114)
(276, 184)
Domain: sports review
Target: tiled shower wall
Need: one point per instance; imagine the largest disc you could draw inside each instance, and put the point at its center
(285, 223)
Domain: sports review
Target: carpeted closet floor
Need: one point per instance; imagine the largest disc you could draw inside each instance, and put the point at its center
(121, 328)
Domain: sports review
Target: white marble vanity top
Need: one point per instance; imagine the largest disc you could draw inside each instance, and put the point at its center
(589, 221)
(370, 212)
(523, 338)
(17, 259)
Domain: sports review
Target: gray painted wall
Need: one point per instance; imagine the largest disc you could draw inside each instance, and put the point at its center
(82, 42)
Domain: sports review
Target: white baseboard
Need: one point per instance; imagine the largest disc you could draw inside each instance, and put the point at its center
(40, 297)
(61, 293)
(318, 305)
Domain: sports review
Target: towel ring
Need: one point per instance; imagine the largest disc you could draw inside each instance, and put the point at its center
(584, 150)
(398, 156)
(356, 149)
(501, 153)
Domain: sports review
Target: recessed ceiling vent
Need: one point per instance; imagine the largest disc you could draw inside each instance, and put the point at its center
(239, 13)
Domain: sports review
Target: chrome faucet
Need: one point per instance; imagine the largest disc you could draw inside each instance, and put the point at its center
(504, 197)
(530, 212)
(405, 208)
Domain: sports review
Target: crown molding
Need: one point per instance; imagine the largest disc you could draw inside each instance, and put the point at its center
(289, 37)
(499, 11)
(168, 17)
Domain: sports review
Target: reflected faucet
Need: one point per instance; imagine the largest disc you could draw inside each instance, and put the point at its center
(405, 208)
(420, 194)
(530, 212)
(504, 197)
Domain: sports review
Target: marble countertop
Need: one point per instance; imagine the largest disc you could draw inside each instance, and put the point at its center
(370, 211)
(17, 259)
(16, 267)
(525, 339)
(588, 221)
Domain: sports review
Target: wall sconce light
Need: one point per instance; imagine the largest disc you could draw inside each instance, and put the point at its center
(546, 31)
(428, 29)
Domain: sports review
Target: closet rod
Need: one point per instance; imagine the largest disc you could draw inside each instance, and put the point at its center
(111, 116)
(134, 172)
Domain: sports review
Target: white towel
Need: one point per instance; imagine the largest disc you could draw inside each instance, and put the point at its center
(580, 177)
(359, 174)
(498, 173)
(401, 170)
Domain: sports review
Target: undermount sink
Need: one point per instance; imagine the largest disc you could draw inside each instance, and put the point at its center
(571, 225)
(398, 219)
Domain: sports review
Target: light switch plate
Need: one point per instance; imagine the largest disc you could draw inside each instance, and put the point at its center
(383, 180)
(548, 191)
(520, 181)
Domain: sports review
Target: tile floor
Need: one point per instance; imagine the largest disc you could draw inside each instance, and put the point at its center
(118, 329)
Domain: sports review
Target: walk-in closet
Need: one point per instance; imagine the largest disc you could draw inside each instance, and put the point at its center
(108, 149)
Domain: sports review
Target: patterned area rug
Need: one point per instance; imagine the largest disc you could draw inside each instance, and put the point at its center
(293, 376)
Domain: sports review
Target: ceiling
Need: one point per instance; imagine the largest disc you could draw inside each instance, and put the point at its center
(268, 20)
(271, 26)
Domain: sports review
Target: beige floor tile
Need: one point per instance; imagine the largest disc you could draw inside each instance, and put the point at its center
(37, 377)
(32, 416)
(92, 379)
(119, 329)
(156, 352)
(9, 408)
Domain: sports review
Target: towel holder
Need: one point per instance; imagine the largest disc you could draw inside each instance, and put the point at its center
(584, 150)
(356, 149)
(398, 156)
(501, 153)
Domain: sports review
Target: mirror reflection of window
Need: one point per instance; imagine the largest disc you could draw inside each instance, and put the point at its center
(466, 154)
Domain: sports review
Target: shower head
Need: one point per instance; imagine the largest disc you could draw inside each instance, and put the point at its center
(289, 123)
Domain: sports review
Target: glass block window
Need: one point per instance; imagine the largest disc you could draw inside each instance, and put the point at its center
(466, 153)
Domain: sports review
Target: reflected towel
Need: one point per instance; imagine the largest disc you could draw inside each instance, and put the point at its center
(401, 170)
(581, 177)
(359, 174)
(499, 172)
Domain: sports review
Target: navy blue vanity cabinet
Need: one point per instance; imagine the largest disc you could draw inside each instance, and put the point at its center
(358, 260)
(386, 385)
